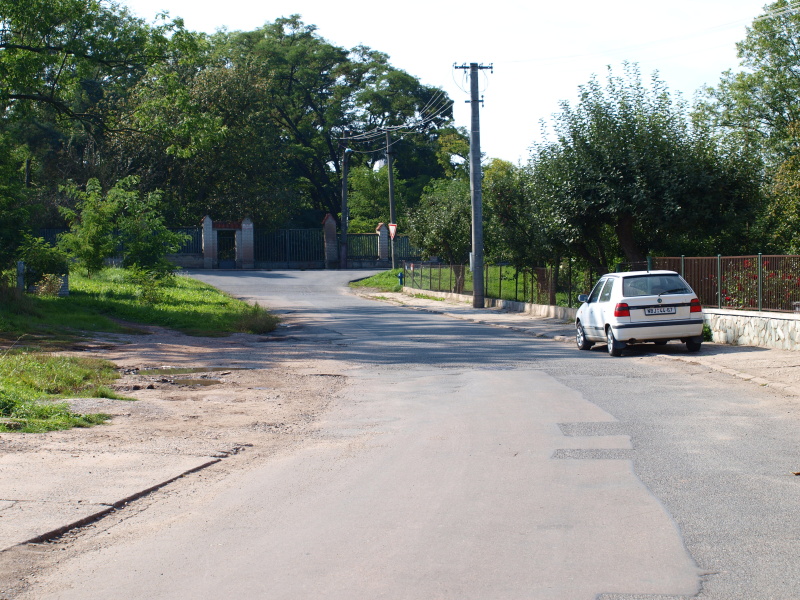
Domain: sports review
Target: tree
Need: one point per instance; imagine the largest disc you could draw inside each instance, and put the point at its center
(629, 160)
(759, 107)
(73, 56)
(368, 200)
(91, 238)
(13, 212)
(143, 235)
(442, 224)
(762, 102)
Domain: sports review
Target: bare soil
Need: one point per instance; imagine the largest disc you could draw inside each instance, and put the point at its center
(242, 401)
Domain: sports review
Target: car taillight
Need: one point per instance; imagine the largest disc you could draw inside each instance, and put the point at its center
(694, 306)
(622, 310)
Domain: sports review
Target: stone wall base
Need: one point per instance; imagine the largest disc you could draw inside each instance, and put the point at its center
(751, 328)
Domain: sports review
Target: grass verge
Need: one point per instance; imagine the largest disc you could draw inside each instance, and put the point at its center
(31, 383)
(112, 299)
(386, 281)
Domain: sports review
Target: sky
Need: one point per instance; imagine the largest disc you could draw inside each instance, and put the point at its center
(540, 51)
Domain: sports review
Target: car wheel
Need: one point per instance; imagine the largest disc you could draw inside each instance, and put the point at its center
(660, 342)
(614, 347)
(693, 346)
(580, 338)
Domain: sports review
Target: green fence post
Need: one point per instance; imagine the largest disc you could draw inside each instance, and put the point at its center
(719, 280)
(649, 263)
(500, 284)
(683, 266)
(760, 288)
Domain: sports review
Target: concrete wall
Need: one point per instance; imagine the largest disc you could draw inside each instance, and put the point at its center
(752, 328)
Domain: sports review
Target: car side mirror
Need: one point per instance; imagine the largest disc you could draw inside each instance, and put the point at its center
(583, 298)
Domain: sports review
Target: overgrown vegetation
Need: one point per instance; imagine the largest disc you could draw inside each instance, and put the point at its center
(116, 299)
(31, 384)
(386, 281)
(113, 300)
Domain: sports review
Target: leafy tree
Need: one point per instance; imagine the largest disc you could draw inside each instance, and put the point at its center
(144, 237)
(759, 107)
(442, 223)
(13, 212)
(91, 236)
(630, 162)
(368, 199)
(73, 55)
(762, 101)
(520, 222)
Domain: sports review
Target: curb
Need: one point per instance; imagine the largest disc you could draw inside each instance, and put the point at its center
(58, 532)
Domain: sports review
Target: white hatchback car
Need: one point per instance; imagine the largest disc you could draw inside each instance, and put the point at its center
(640, 306)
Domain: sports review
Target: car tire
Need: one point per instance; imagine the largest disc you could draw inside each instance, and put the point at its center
(693, 345)
(580, 338)
(614, 347)
(660, 342)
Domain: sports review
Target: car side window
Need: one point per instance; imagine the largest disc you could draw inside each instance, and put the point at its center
(605, 295)
(596, 291)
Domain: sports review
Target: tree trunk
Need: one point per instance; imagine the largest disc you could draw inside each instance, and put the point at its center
(624, 230)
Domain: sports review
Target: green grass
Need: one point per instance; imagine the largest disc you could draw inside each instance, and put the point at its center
(428, 297)
(386, 281)
(31, 383)
(110, 302)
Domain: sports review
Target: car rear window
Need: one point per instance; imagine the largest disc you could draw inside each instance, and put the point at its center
(653, 285)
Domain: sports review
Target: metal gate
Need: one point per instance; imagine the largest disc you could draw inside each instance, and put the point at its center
(289, 249)
(226, 248)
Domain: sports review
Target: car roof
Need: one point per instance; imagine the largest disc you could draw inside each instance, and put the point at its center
(639, 273)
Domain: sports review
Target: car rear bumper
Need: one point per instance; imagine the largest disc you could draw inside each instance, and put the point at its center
(649, 330)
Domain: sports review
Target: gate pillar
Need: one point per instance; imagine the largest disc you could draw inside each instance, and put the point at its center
(248, 243)
(209, 243)
(383, 242)
(331, 243)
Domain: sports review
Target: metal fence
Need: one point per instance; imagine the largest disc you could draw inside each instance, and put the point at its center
(405, 250)
(756, 282)
(362, 246)
(194, 245)
(500, 281)
(289, 246)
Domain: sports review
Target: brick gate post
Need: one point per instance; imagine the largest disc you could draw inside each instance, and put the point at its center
(383, 242)
(331, 243)
(248, 245)
(209, 243)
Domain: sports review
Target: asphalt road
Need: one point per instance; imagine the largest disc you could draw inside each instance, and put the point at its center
(466, 461)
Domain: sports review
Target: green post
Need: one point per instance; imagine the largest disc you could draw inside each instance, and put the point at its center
(719, 280)
(649, 263)
(760, 272)
(500, 284)
(683, 266)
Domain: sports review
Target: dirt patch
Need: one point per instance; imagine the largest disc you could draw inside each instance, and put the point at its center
(234, 398)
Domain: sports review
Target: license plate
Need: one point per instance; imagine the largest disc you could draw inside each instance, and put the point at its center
(660, 310)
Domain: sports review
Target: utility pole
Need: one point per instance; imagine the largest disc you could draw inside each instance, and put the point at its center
(475, 185)
(343, 239)
(392, 220)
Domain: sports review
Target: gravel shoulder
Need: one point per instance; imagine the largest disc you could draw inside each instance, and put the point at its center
(241, 403)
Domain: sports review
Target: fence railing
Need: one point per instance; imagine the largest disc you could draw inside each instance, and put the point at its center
(757, 282)
(288, 246)
(500, 281)
(362, 246)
